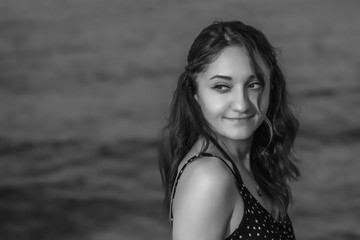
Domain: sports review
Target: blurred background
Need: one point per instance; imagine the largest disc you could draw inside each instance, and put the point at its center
(85, 87)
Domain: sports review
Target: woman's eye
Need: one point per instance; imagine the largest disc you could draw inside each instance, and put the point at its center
(221, 87)
(255, 85)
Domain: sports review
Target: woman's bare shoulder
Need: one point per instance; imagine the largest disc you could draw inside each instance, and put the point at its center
(205, 169)
(204, 199)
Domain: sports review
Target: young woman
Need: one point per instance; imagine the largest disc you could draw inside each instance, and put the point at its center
(226, 157)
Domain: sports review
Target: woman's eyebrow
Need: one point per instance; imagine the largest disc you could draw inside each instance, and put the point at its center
(228, 78)
(221, 77)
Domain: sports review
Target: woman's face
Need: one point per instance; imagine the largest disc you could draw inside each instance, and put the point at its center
(232, 99)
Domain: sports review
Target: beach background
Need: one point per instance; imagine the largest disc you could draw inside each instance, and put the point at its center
(85, 87)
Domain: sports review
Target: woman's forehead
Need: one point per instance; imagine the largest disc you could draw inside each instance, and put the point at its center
(235, 60)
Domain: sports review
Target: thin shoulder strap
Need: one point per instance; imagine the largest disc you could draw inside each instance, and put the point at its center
(233, 170)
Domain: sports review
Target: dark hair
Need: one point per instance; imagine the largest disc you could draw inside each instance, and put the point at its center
(272, 159)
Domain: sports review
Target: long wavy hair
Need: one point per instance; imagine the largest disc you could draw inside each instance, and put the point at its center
(272, 158)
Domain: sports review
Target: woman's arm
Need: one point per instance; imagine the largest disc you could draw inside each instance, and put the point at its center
(204, 201)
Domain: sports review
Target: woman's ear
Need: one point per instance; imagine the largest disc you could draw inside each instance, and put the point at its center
(196, 97)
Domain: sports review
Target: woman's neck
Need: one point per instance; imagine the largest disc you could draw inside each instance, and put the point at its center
(239, 151)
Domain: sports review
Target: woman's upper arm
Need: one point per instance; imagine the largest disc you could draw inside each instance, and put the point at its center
(203, 202)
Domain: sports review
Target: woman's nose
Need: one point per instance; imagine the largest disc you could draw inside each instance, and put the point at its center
(240, 101)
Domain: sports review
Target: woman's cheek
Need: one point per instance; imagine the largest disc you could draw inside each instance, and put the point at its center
(215, 104)
(262, 102)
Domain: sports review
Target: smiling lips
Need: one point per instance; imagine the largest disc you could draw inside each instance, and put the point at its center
(239, 118)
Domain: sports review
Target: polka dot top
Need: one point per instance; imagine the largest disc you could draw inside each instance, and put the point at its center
(257, 222)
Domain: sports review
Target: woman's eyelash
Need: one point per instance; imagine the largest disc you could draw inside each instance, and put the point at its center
(256, 85)
(221, 87)
(259, 85)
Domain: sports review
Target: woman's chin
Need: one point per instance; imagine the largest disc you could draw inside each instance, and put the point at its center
(238, 136)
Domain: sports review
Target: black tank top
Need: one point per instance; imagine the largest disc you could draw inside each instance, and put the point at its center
(257, 222)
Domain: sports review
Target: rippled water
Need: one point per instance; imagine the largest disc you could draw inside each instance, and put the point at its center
(84, 90)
